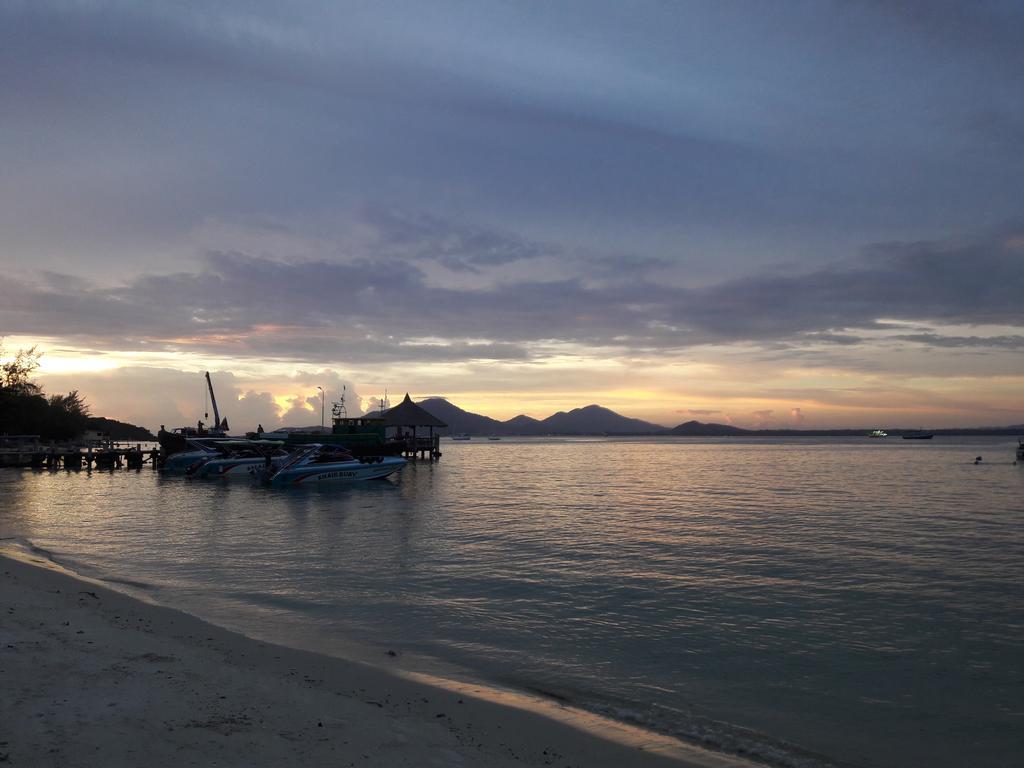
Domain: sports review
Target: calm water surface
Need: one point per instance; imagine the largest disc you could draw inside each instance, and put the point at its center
(818, 602)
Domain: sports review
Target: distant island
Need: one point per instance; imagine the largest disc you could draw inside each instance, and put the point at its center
(119, 430)
(598, 420)
(698, 429)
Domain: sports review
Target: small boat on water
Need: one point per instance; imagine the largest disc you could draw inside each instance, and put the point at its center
(878, 433)
(1020, 449)
(494, 437)
(918, 435)
(461, 436)
(319, 463)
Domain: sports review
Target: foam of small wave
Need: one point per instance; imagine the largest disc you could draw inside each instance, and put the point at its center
(23, 548)
(716, 736)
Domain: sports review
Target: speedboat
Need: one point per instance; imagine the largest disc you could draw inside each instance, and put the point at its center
(240, 458)
(878, 433)
(319, 463)
(195, 452)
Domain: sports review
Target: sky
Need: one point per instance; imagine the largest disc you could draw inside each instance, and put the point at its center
(765, 214)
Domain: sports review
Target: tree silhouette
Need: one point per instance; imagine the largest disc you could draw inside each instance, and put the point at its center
(15, 373)
(25, 410)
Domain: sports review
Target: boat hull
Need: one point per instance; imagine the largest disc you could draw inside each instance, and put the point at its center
(232, 468)
(338, 472)
(184, 462)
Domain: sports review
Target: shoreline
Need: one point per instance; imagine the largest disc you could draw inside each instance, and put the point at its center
(97, 676)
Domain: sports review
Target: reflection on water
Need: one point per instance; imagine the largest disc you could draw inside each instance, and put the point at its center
(858, 598)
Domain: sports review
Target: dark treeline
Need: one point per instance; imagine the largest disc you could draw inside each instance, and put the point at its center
(26, 410)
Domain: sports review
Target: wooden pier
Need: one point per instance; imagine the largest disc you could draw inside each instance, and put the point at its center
(76, 457)
(421, 447)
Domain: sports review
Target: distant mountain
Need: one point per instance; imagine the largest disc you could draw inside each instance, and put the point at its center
(594, 419)
(119, 430)
(697, 429)
(459, 420)
(597, 420)
(522, 425)
(591, 420)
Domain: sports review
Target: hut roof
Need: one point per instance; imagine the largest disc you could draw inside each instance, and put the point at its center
(408, 414)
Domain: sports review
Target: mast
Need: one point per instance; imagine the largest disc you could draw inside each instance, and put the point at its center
(338, 410)
(213, 400)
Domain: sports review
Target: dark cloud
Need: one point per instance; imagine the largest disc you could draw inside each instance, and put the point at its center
(1015, 342)
(387, 310)
(988, 22)
(424, 236)
(127, 125)
(841, 339)
(971, 283)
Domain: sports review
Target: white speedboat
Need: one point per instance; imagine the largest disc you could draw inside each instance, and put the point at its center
(196, 452)
(240, 458)
(318, 463)
(878, 433)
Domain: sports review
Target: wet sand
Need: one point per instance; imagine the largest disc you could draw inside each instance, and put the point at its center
(94, 677)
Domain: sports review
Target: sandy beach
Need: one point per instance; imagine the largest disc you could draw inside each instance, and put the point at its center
(95, 677)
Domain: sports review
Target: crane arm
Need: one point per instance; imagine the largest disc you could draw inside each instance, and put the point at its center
(213, 401)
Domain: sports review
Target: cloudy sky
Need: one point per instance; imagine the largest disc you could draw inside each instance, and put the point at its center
(793, 213)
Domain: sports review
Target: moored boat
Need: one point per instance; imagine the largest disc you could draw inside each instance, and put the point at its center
(461, 436)
(192, 453)
(240, 458)
(918, 435)
(1020, 449)
(320, 463)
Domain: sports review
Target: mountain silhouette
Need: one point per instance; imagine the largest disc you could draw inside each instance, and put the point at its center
(595, 419)
(459, 420)
(699, 429)
(598, 420)
(522, 425)
(590, 420)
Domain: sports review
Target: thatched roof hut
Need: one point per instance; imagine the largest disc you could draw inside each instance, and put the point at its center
(408, 414)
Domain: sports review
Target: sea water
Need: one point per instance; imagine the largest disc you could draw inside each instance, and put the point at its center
(813, 602)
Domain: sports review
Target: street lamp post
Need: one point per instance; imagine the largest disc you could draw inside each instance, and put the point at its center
(321, 407)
